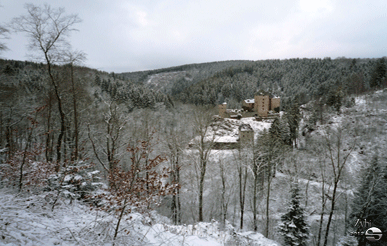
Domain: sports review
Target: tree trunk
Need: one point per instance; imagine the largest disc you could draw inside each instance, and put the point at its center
(346, 214)
(269, 178)
(8, 137)
(330, 214)
(267, 208)
(48, 150)
(321, 224)
(223, 208)
(255, 170)
(119, 221)
(61, 113)
(174, 196)
(306, 193)
(242, 191)
(75, 151)
(201, 188)
(178, 191)
(24, 159)
(1, 129)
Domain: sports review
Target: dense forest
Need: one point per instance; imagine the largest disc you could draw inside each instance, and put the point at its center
(234, 81)
(145, 143)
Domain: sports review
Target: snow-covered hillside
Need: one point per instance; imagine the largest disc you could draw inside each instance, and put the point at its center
(27, 219)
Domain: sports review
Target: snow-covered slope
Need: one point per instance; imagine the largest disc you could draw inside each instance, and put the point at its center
(28, 220)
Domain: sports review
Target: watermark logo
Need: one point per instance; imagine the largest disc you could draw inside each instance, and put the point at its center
(364, 229)
(373, 234)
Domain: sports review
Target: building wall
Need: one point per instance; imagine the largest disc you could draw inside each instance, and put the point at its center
(222, 110)
(262, 105)
(246, 136)
(275, 103)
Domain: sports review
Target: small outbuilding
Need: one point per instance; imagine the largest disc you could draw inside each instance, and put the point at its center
(246, 133)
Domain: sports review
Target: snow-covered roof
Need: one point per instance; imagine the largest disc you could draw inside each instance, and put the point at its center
(228, 132)
(245, 128)
(249, 101)
(230, 111)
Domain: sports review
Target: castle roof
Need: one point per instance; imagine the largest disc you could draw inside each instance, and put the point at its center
(245, 128)
(249, 101)
(261, 92)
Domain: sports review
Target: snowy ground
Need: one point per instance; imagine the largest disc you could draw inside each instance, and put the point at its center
(28, 220)
(227, 130)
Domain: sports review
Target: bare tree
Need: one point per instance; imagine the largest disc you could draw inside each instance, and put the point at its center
(176, 140)
(242, 159)
(223, 200)
(114, 122)
(257, 167)
(203, 142)
(338, 155)
(270, 150)
(324, 197)
(75, 57)
(3, 35)
(175, 158)
(47, 30)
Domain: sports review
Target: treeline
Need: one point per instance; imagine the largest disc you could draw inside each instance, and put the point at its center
(133, 95)
(303, 79)
(292, 79)
(205, 68)
(182, 76)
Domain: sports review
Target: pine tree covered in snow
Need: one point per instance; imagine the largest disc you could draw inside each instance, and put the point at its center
(293, 227)
(370, 199)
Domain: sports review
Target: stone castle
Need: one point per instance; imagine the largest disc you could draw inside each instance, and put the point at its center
(259, 106)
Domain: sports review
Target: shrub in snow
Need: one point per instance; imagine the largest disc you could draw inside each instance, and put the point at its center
(23, 171)
(138, 188)
(74, 182)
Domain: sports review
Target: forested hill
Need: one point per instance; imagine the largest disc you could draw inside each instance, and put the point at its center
(233, 81)
(173, 79)
(23, 80)
(215, 82)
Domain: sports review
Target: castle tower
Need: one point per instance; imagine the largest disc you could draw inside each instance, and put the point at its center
(246, 134)
(275, 103)
(222, 109)
(262, 105)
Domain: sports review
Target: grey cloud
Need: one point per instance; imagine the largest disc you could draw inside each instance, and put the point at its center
(125, 35)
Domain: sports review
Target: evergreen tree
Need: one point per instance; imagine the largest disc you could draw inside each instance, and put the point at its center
(379, 73)
(275, 132)
(293, 227)
(370, 200)
(285, 132)
(293, 117)
(335, 99)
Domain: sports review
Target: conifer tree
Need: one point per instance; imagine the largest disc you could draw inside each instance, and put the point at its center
(379, 73)
(293, 118)
(293, 227)
(370, 200)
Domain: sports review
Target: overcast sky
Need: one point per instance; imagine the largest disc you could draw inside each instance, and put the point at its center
(126, 35)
